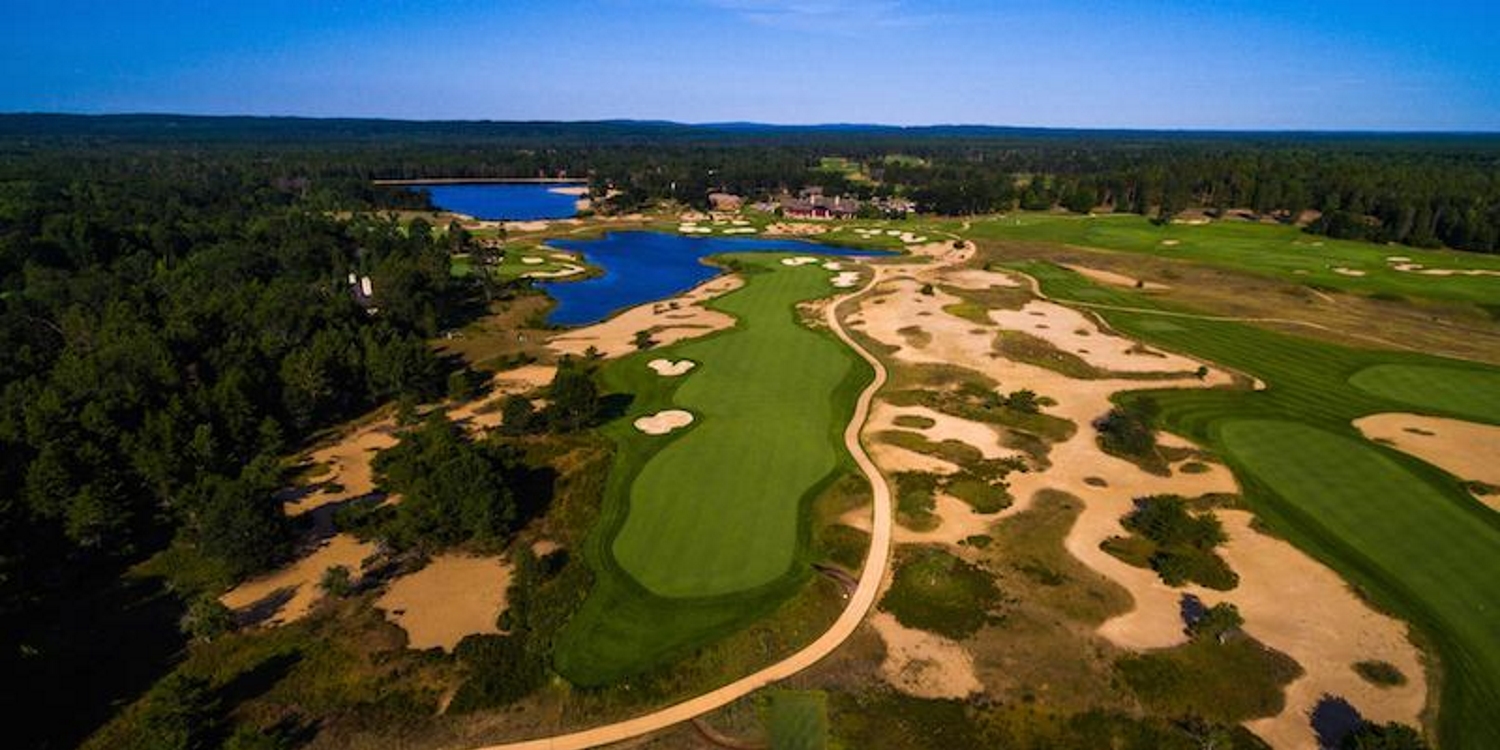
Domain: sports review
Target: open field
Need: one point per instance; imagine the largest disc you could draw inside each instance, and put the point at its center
(703, 529)
(1283, 252)
(1402, 531)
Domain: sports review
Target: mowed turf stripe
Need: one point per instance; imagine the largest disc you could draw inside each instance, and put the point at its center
(1476, 392)
(717, 511)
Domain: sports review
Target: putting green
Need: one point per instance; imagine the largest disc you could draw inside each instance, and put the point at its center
(718, 510)
(1472, 393)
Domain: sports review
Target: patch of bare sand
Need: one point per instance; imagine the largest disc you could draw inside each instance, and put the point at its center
(1341, 270)
(1073, 332)
(484, 413)
(983, 437)
(525, 226)
(348, 460)
(1117, 279)
(288, 594)
(1467, 450)
(924, 664)
(669, 321)
(978, 278)
(454, 596)
(664, 422)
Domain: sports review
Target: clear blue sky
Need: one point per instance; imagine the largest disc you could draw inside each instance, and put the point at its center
(1326, 64)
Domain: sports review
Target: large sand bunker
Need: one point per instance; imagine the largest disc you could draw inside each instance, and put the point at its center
(1467, 450)
(664, 422)
(1075, 333)
(454, 596)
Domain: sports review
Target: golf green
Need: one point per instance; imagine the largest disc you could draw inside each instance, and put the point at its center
(1470, 393)
(717, 510)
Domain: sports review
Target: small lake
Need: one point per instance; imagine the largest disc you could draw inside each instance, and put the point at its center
(505, 201)
(641, 267)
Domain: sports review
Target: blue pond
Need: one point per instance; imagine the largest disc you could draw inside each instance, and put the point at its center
(504, 201)
(640, 267)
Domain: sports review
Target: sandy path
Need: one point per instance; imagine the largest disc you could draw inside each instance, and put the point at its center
(454, 596)
(860, 600)
(689, 318)
(1467, 450)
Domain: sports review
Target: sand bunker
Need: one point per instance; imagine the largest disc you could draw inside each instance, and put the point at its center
(1348, 271)
(574, 190)
(924, 664)
(978, 278)
(1467, 450)
(664, 422)
(833, 265)
(532, 260)
(846, 279)
(1409, 267)
(525, 226)
(1117, 279)
(1073, 332)
(288, 594)
(669, 321)
(800, 260)
(796, 228)
(454, 596)
(670, 369)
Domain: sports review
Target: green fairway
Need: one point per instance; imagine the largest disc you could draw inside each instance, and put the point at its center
(705, 529)
(1474, 392)
(716, 511)
(1402, 531)
(1280, 251)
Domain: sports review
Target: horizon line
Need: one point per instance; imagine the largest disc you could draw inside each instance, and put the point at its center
(748, 123)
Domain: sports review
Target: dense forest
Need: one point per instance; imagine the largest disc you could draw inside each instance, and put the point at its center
(1420, 189)
(176, 315)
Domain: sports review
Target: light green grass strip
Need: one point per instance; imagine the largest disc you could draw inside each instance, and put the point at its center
(1474, 392)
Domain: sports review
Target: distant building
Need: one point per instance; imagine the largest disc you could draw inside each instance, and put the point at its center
(818, 206)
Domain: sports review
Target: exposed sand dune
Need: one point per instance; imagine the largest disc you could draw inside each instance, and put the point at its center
(664, 422)
(288, 594)
(454, 596)
(1467, 450)
(924, 664)
(669, 321)
(1117, 279)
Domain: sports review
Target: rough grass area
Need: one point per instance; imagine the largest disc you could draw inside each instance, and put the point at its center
(1406, 534)
(1229, 682)
(935, 591)
(1281, 252)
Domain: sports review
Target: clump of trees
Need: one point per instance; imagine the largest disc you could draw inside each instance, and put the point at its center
(1175, 542)
(453, 489)
(1127, 431)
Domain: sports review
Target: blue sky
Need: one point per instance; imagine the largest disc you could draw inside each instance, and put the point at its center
(1320, 64)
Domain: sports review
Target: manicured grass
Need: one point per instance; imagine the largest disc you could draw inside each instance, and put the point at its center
(716, 511)
(797, 719)
(1272, 250)
(1474, 392)
(706, 529)
(1404, 532)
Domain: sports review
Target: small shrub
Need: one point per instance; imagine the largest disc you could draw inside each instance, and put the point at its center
(935, 591)
(1382, 673)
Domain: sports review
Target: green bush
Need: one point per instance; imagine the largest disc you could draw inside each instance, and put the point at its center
(935, 591)
(500, 671)
(1382, 673)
